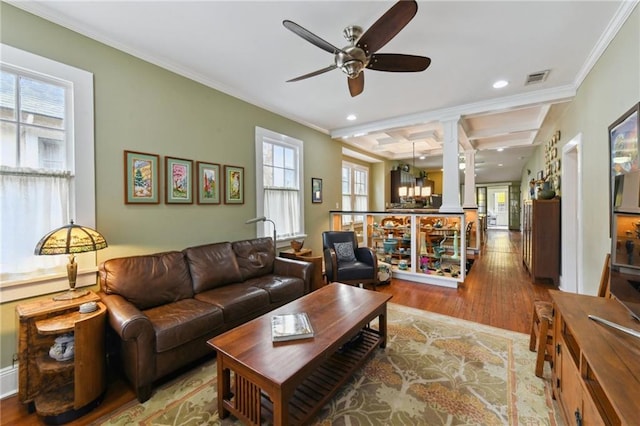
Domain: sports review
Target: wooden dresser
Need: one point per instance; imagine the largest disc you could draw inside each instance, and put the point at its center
(596, 368)
(541, 239)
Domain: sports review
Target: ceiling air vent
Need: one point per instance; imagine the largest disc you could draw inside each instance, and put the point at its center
(537, 77)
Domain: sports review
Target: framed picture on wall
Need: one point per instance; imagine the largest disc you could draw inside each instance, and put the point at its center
(141, 180)
(316, 190)
(623, 142)
(208, 182)
(233, 185)
(179, 181)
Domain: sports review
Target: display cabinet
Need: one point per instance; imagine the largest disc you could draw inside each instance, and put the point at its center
(420, 246)
(61, 391)
(541, 239)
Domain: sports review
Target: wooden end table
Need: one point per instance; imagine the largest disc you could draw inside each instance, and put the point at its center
(290, 381)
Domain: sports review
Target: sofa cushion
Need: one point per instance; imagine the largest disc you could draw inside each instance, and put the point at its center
(255, 257)
(237, 301)
(149, 280)
(212, 265)
(280, 289)
(183, 321)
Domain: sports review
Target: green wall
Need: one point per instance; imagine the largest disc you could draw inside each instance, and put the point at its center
(610, 89)
(141, 107)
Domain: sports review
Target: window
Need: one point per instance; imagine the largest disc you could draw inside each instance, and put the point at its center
(46, 168)
(279, 187)
(355, 191)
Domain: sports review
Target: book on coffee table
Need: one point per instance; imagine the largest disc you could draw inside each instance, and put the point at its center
(290, 326)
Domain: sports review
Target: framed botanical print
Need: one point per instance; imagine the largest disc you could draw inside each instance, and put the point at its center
(233, 185)
(179, 181)
(141, 180)
(208, 182)
(316, 190)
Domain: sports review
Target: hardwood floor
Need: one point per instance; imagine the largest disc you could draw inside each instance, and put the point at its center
(497, 292)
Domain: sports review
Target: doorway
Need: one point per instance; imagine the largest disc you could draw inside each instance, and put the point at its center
(571, 218)
(498, 207)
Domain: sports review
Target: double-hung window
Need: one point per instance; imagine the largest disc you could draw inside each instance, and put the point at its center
(355, 191)
(279, 184)
(46, 168)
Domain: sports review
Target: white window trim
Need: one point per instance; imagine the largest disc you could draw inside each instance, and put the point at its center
(82, 134)
(261, 134)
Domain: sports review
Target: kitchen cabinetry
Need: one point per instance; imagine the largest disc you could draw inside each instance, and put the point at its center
(541, 239)
(61, 391)
(596, 374)
(422, 247)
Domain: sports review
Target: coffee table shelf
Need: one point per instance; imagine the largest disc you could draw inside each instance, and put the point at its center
(317, 389)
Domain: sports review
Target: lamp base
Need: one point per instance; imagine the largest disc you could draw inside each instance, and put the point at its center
(71, 294)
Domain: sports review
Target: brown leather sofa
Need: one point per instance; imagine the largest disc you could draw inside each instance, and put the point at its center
(165, 306)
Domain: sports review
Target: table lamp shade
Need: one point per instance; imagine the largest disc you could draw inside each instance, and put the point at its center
(71, 239)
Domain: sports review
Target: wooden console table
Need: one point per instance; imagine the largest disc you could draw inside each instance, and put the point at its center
(596, 368)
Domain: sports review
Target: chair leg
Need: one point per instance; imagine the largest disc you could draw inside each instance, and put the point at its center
(532, 337)
(542, 346)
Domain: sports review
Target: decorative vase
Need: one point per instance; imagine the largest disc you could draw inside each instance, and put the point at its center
(629, 245)
(546, 193)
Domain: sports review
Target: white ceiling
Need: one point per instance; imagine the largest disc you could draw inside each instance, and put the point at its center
(242, 48)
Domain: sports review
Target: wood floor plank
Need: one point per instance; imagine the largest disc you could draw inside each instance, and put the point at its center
(497, 292)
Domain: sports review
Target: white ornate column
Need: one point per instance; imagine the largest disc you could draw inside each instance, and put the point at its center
(450, 175)
(470, 180)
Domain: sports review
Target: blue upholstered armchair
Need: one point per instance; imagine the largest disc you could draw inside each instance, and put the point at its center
(347, 263)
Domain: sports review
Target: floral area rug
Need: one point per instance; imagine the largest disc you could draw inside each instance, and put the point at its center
(435, 370)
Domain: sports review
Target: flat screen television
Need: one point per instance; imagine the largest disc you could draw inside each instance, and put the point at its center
(626, 288)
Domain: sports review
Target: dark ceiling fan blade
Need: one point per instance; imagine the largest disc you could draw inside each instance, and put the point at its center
(395, 62)
(356, 85)
(310, 37)
(311, 74)
(389, 24)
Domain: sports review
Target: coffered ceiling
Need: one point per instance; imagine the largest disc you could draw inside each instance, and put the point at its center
(241, 48)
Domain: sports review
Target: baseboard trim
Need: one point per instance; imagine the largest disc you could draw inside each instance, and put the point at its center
(8, 381)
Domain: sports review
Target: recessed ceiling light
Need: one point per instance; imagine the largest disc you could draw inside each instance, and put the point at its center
(500, 149)
(500, 84)
(500, 165)
(422, 157)
(351, 117)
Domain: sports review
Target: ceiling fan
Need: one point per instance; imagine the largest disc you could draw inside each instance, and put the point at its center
(361, 52)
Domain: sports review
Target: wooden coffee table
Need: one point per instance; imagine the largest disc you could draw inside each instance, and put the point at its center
(290, 381)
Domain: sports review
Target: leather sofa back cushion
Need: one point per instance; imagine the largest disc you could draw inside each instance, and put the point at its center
(149, 280)
(255, 257)
(212, 265)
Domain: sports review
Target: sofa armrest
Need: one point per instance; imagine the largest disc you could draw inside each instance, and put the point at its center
(294, 268)
(368, 256)
(330, 264)
(138, 341)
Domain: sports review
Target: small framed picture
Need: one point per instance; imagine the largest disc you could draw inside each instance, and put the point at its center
(179, 181)
(233, 185)
(316, 190)
(142, 179)
(540, 175)
(208, 183)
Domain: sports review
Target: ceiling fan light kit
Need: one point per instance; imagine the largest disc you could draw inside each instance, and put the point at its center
(362, 48)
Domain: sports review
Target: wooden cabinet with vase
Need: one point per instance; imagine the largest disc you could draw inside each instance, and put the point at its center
(541, 239)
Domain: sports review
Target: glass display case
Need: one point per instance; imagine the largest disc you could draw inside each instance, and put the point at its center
(419, 246)
(626, 241)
